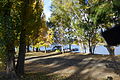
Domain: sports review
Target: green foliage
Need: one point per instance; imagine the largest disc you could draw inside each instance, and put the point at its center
(103, 12)
(82, 20)
(16, 17)
(45, 38)
(2, 54)
(7, 34)
(62, 20)
(116, 3)
(57, 50)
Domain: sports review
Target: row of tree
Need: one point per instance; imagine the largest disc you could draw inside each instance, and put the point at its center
(22, 23)
(81, 21)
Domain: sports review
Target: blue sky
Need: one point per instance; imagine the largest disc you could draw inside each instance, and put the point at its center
(47, 4)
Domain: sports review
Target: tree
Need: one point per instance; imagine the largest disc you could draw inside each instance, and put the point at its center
(8, 37)
(17, 19)
(28, 9)
(105, 15)
(62, 19)
(45, 41)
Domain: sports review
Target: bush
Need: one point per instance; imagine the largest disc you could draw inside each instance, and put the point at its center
(57, 50)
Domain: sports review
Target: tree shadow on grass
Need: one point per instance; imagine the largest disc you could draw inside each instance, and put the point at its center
(90, 71)
(43, 56)
(78, 67)
(35, 76)
(114, 64)
(58, 63)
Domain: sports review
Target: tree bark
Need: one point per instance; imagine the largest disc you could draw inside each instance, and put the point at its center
(22, 48)
(84, 48)
(62, 49)
(37, 49)
(45, 50)
(10, 62)
(21, 55)
(70, 47)
(111, 50)
(33, 49)
(90, 48)
(28, 48)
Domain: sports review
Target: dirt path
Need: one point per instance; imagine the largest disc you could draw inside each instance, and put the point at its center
(74, 67)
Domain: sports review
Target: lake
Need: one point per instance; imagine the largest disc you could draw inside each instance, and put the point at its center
(98, 50)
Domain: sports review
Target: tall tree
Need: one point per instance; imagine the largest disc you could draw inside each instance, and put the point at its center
(106, 15)
(19, 20)
(29, 13)
(62, 19)
(8, 36)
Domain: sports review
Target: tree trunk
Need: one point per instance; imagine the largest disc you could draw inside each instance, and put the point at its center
(10, 62)
(70, 47)
(90, 48)
(80, 48)
(28, 48)
(21, 55)
(62, 49)
(22, 48)
(45, 50)
(37, 49)
(33, 49)
(84, 48)
(111, 50)
(93, 49)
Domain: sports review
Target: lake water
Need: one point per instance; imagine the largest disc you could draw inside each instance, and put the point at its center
(98, 50)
